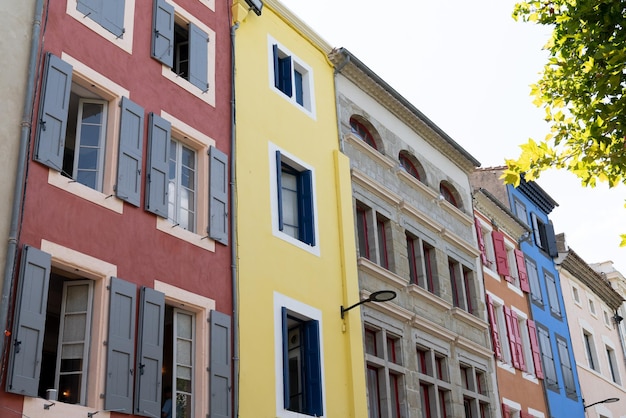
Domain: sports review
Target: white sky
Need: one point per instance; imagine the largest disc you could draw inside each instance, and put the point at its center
(468, 66)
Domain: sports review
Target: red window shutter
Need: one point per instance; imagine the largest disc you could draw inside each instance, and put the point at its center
(502, 263)
(494, 328)
(508, 314)
(534, 346)
(481, 241)
(506, 411)
(524, 414)
(521, 269)
(519, 348)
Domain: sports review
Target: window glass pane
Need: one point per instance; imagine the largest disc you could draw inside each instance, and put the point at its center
(289, 184)
(373, 396)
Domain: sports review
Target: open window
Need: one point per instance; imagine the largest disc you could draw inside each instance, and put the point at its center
(75, 135)
(292, 77)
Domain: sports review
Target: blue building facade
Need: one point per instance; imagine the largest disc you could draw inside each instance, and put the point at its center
(532, 205)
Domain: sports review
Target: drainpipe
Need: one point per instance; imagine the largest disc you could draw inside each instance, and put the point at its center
(337, 71)
(233, 227)
(20, 178)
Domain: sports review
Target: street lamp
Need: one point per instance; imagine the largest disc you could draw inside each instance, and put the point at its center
(608, 400)
(380, 296)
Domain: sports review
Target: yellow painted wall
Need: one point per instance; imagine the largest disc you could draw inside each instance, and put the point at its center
(267, 264)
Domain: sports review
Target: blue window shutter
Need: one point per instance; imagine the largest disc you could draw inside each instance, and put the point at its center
(157, 180)
(113, 16)
(312, 369)
(149, 353)
(305, 207)
(285, 75)
(279, 189)
(220, 368)
(286, 394)
(118, 392)
(299, 89)
(218, 196)
(551, 238)
(198, 57)
(276, 66)
(53, 110)
(130, 153)
(26, 341)
(163, 32)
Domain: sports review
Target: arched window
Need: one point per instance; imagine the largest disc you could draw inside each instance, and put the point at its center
(448, 194)
(362, 132)
(408, 165)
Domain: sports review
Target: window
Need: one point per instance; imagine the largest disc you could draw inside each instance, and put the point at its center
(448, 193)
(385, 378)
(434, 381)
(576, 295)
(361, 131)
(544, 235)
(499, 333)
(462, 285)
(186, 48)
(566, 368)
(298, 357)
(520, 210)
(291, 77)
(294, 201)
(113, 20)
(383, 235)
(606, 317)
(533, 280)
(592, 307)
(613, 365)
(178, 361)
(76, 136)
(475, 391)
(590, 350)
(485, 244)
(547, 358)
(410, 165)
(182, 186)
(422, 263)
(362, 232)
(553, 296)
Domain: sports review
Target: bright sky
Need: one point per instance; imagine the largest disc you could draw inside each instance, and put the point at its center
(468, 66)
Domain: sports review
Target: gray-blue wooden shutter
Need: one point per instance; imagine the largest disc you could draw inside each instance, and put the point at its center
(198, 57)
(163, 32)
(279, 190)
(286, 392)
(312, 369)
(157, 180)
(551, 238)
(113, 16)
(26, 343)
(53, 111)
(149, 353)
(118, 392)
(305, 207)
(91, 9)
(128, 186)
(218, 196)
(220, 366)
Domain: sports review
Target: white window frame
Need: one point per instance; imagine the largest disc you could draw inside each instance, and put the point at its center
(591, 303)
(592, 348)
(306, 311)
(503, 335)
(513, 270)
(308, 87)
(522, 319)
(176, 193)
(206, 96)
(576, 295)
(490, 253)
(300, 165)
(101, 140)
(201, 143)
(125, 42)
(175, 363)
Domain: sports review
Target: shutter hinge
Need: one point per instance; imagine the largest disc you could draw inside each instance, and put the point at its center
(105, 343)
(102, 396)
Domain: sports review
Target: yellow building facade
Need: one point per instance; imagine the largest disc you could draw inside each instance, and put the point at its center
(296, 257)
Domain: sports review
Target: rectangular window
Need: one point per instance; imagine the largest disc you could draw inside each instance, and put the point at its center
(592, 307)
(414, 257)
(301, 365)
(182, 186)
(384, 363)
(520, 210)
(544, 235)
(113, 20)
(292, 77)
(590, 350)
(553, 296)
(566, 368)
(499, 336)
(533, 280)
(547, 357)
(576, 295)
(462, 285)
(613, 366)
(430, 268)
(362, 231)
(435, 387)
(295, 200)
(475, 399)
(382, 225)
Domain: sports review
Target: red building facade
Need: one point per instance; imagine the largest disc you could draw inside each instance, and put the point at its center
(122, 292)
